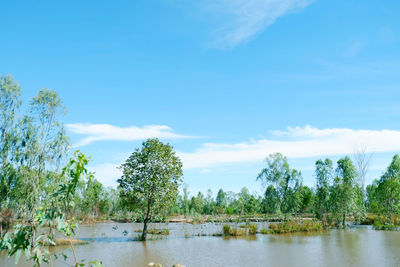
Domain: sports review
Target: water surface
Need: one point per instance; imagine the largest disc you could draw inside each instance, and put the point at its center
(115, 245)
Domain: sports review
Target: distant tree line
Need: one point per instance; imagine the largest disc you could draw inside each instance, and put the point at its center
(336, 197)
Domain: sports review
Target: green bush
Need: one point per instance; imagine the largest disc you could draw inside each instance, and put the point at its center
(237, 232)
(252, 229)
(265, 231)
(293, 226)
(226, 229)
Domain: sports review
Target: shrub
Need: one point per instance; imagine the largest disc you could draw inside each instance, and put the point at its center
(252, 229)
(237, 232)
(226, 229)
(229, 231)
(273, 226)
(265, 231)
(292, 227)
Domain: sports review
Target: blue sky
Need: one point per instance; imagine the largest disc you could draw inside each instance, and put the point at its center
(220, 80)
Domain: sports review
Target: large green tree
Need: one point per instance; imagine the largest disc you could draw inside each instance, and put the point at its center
(150, 180)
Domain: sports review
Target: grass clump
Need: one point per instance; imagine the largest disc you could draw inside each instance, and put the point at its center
(158, 231)
(293, 227)
(227, 230)
(265, 231)
(253, 229)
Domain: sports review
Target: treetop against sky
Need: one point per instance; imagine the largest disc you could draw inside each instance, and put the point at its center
(225, 82)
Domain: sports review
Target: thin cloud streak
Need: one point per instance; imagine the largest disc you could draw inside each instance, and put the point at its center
(103, 132)
(246, 18)
(298, 142)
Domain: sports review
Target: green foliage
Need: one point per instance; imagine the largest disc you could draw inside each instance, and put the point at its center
(293, 227)
(388, 190)
(344, 193)
(324, 175)
(285, 180)
(252, 229)
(265, 231)
(226, 228)
(150, 180)
(31, 237)
(9, 139)
(221, 200)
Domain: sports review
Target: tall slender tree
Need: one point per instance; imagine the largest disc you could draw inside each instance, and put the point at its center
(9, 108)
(324, 176)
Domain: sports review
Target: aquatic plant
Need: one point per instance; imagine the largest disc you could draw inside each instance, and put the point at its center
(252, 229)
(294, 226)
(226, 228)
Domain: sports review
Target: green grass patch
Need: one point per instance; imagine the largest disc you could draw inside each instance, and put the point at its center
(250, 229)
(293, 227)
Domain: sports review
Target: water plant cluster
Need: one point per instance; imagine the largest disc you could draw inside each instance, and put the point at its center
(294, 227)
(241, 230)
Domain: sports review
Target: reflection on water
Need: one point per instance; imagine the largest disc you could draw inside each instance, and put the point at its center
(116, 245)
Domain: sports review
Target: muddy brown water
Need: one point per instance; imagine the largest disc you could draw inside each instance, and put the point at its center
(115, 245)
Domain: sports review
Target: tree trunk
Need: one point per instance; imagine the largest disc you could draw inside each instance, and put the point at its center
(344, 221)
(144, 232)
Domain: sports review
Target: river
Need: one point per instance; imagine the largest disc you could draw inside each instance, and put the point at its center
(115, 245)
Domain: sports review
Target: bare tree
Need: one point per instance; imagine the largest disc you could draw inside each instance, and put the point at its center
(362, 160)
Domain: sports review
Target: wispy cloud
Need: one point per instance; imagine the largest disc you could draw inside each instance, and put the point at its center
(246, 18)
(101, 132)
(297, 142)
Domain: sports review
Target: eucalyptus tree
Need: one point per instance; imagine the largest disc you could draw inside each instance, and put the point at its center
(344, 195)
(209, 203)
(372, 203)
(9, 108)
(285, 180)
(221, 200)
(197, 203)
(44, 145)
(270, 201)
(388, 189)
(93, 197)
(306, 199)
(150, 180)
(324, 176)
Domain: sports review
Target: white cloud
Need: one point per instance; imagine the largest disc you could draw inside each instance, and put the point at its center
(107, 173)
(297, 142)
(246, 18)
(100, 132)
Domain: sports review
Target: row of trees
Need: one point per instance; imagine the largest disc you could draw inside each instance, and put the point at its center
(338, 193)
